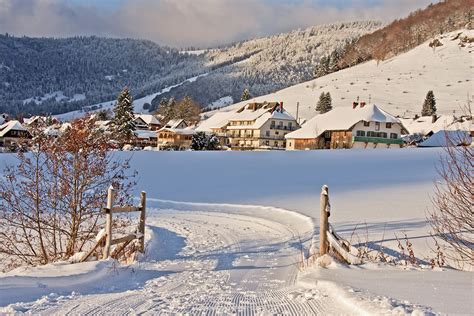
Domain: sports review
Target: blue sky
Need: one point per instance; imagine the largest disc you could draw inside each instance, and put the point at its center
(184, 23)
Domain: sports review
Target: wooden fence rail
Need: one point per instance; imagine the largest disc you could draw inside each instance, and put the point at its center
(106, 240)
(328, 238)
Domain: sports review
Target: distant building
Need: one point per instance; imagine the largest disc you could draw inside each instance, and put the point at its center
(260, 126)
(175, 135)
(147, 121)
(347, 127)
(13, 135)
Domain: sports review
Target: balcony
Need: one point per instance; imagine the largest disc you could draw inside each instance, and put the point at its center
(283, 128)
(362, 139)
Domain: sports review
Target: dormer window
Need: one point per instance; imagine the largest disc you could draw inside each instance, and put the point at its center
(366, 123)
(388, 125)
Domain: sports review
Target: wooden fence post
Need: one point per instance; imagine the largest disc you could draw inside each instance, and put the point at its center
(108, 223)
(141, 225)
(323, 221)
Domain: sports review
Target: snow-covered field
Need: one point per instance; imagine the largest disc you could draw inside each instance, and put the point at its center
(398, 85)
(224, 231)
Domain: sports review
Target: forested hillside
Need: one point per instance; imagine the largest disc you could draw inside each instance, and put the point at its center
(46, 75)
(404, 34)
(268, 64)
(93, 68)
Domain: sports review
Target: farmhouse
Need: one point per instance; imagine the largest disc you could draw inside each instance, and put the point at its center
(13, 134)
(346, 127)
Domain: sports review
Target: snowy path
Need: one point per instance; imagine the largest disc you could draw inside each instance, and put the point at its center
(211, 259)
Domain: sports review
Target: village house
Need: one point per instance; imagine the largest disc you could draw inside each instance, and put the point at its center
(421, 129)
(13, 135)
(145, 133)
(365, 126)
(175, 135)
(146, 122)
(260, 126)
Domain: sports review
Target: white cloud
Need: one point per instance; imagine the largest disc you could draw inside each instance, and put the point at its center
(188, 22)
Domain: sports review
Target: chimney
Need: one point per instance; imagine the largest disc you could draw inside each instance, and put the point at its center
(355, 104)
(281, 107)
(433, 118)
(362, 104)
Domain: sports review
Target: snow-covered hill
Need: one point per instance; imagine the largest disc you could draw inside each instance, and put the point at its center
(398, 85)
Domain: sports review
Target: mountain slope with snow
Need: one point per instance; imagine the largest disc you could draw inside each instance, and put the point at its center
(398, 85)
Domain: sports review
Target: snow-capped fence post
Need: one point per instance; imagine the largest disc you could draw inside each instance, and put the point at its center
(323, 220)
(108, 223)
(141, 225)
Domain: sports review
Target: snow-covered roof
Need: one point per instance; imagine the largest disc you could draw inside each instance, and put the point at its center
(145, 134)
(446, 138)
(340, 119)
(218, 120)
(258, 112)
(264, 117)
(11, 125)
(182, 131)
(175, 123)
(424, 125)
(148, 119)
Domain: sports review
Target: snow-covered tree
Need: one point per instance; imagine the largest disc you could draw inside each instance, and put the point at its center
(429, 105)
(246, 95)
(167, 109)
(202, 141)
(123, 122)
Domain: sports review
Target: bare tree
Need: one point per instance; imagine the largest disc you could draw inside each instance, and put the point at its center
(452, 215)
(51, 198)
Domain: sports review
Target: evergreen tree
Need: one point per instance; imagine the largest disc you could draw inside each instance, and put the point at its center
(429, 106)
(167, 109)
(321, 101)
(198, 141)
(201, 141)
(327, 104)
(246, 95)
(213, 142)
(123, 122)
(324, 103)
(334, 61)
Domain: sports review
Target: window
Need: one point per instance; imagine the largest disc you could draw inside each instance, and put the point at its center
(276, 144)
(267, 142)
(276, 133)
(267, 133)
(377, 126)
(366, 123)
(383, 135)
(290, 125)
(388, 125)
(393, 135)
(327, 134)
(273, 124)
(360, 133)
(371, 134)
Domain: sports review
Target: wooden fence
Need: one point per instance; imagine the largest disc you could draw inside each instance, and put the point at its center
(106, 239)
(328, 238)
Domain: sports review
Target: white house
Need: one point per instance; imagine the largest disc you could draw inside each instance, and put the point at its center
(347, 127)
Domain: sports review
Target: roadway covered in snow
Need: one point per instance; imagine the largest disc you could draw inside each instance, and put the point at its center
(222, 252)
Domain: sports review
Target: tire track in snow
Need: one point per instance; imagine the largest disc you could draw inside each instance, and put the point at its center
(230, 263)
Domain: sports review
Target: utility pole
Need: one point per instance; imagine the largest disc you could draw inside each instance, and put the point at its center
(297, 110)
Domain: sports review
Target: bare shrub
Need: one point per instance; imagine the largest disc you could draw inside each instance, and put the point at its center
(51, 197)
(451, 218)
